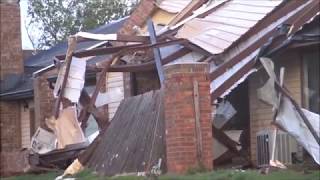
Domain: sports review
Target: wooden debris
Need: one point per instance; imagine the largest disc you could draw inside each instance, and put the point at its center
(85, 112)
(101, 119)
(68, 58)
(156, 51)
(197, 120)
(134, 141)
(57, 159)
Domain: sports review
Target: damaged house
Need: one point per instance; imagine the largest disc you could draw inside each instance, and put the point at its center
(211, 61)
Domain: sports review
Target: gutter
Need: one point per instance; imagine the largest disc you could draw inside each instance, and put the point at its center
(17, 95)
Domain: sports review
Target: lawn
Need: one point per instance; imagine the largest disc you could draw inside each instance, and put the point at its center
(215, 175)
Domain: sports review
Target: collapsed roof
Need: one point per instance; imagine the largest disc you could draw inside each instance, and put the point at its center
(228, 34)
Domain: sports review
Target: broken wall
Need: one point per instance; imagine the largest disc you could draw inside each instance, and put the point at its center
(43, 98)
(261, 114)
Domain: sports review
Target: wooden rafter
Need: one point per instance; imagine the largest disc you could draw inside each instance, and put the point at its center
(98, 116)
(156, 51)
(124, 49)
(85, 112)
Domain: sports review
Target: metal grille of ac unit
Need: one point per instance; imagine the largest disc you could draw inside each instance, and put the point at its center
(263, 154)
(285, 146)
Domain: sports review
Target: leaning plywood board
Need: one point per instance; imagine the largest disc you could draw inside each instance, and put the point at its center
(134, 141)
(66, 128)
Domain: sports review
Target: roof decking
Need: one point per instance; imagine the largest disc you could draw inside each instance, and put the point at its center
(220, 29)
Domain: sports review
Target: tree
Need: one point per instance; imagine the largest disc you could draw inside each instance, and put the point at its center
(57, 19)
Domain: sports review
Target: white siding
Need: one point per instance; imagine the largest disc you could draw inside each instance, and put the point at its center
(25, 125)
(114, 82)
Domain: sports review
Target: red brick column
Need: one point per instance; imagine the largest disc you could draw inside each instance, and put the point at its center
(180, 117)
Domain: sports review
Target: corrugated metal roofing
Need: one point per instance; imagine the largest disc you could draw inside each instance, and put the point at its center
(217, 31)
(173, 6)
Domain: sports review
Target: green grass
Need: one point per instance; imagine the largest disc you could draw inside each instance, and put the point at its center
(214, 175)
(47, 176)
(247, 175)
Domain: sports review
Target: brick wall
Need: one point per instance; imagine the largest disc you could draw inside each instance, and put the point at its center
(11, 52)
(13, 162)
(181, 138)
(260, 113)
(43, 98)
(10, 125)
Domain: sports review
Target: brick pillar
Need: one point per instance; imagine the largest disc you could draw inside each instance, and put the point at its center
(180, 117)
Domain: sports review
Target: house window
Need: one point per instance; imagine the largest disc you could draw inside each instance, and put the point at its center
(311, 81)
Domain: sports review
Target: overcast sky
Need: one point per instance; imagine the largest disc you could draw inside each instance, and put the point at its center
(26, 43)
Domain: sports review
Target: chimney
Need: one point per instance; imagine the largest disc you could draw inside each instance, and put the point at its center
(11, 61)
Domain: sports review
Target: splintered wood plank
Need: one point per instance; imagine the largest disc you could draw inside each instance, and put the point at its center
(196, 102)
